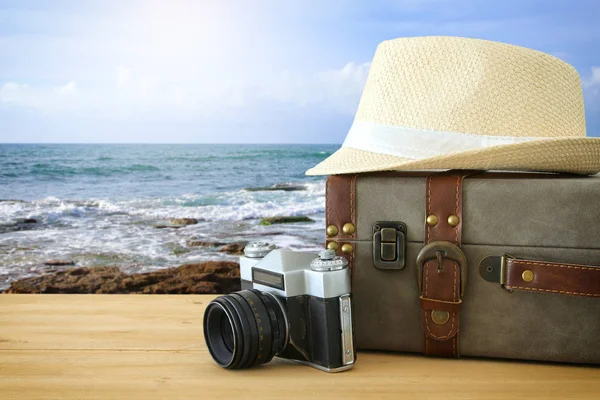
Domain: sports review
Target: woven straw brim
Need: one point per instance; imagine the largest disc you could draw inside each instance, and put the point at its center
(573, 155)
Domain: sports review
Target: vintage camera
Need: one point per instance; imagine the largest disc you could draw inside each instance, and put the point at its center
(292, 305)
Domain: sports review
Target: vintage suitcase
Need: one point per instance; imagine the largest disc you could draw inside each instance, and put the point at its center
(503, 265)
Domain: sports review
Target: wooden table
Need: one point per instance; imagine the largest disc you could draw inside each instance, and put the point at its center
(151, 347)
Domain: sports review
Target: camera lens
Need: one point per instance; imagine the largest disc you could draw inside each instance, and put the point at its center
(245, 328)
(227, 333)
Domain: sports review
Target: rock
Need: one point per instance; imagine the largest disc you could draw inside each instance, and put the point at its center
(236, 249)
(177, 249)
(26, 248)
(229, 248)
(183, 221)
(284, 220)
(180, 250)
(211, 277)
(287, 187)
(202, 243)
(176, 223)
(58, 263)
(258, 234)
(77, 280)
(23, 224)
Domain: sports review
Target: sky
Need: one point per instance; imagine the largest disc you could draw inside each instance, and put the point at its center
(240, 71)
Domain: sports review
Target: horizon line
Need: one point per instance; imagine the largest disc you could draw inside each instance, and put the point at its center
(178, 143)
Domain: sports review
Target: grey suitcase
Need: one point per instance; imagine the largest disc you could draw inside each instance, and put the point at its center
(503, 265)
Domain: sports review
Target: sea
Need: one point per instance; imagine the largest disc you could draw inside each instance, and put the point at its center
(99, 204)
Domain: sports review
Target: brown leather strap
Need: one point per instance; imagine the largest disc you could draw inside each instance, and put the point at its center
(449, 306)
(441, 277)
(340, 209)
(541, 276)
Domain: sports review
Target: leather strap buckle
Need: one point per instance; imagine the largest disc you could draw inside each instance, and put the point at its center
(493, 269)
(439, 250)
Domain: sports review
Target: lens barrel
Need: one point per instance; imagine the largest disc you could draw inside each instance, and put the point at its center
(245, 328)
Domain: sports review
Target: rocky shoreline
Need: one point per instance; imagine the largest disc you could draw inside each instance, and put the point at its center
(209, 277)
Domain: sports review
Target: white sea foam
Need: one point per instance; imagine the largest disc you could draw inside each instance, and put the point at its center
(121, 232)
(226, 206)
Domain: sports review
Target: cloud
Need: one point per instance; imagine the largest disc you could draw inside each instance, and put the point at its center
(123, 76)
(12, 92)
(337, 89)
(70, 89)
(138, 94)
(344, 87)
(591, 88)
(594, 79)
(47, 99)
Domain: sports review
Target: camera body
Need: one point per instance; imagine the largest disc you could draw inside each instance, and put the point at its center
(315, 292)
(292, 305)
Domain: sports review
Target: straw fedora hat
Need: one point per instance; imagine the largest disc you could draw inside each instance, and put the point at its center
(457, 103)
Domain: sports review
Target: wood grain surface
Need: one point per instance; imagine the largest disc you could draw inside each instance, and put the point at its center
(151, 347)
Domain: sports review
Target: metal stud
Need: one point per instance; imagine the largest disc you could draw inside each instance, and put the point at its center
(348, 229)
(432, 220)
(453, 220)
(332, 230)
(347, 248)
(332, 246)
(527, 275)
(440, 317)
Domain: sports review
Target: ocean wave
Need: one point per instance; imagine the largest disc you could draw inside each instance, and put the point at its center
(255, 155)
(140, 167)
(50, 210)
(58, 170)
(220, 206)
(227, 206)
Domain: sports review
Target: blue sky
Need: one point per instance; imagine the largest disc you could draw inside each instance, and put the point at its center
(240, 71)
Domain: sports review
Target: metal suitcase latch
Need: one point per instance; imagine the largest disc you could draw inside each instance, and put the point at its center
(389, 245)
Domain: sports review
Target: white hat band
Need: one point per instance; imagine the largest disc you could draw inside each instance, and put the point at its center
(420, 143)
